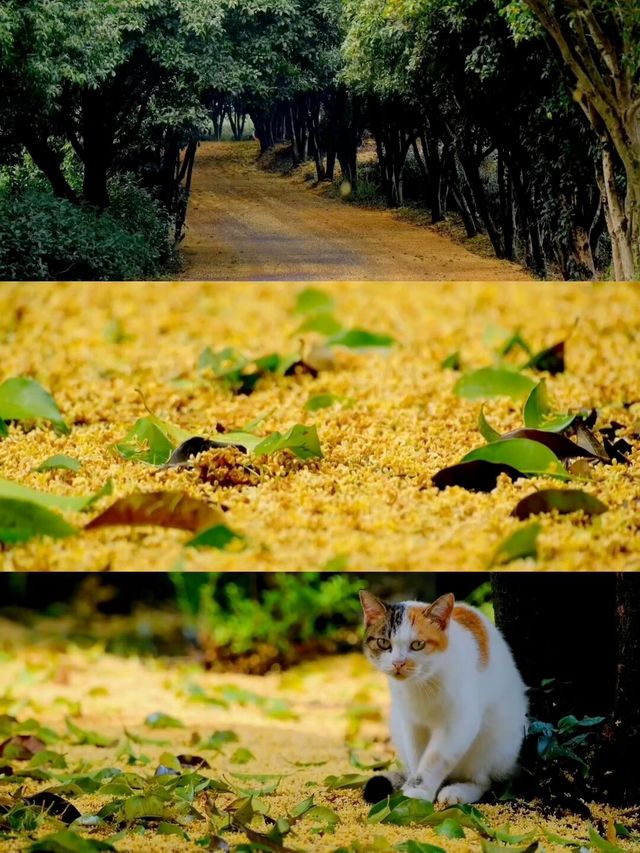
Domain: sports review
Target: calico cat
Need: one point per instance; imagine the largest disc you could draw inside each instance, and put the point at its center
(458, 703)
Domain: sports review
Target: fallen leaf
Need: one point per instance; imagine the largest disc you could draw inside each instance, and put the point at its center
(54, 805)
(21, 747)
(561, 500)
(493, 382)
(24, 399)
(558, 444)
(68, 841)
(451, 362)
(359, 339)
(160, 720)
(311, 300)
(159, 509)
(59, 460)
(551, 359)
(518, 545)
(150, 440)
(538, 414)
(523, 454)
(21, 521)
(476, 476)
(219, 536)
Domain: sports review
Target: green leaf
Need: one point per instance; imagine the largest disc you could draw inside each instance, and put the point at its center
(349, 780)
(486, 430)
(420, 847)
(218, 739)
(561, 500)
(165, 828)
(48, 758)
(324, 401)
(518, 545)
(526, 456)
(301, 440)
(159, 720)
(597, 842)
(68, 841)
(59, 460)
(401, 811)
(537, 411)
(563, 842)
(337, 563)
(493, 382)
(226, 363)
(219, 536)
(359, 339)
(115, 333)
(513, 341)
(452, 361)
(242, 755)
(489, 846)
(21, 521)
(325, 819)
(85, 736)
(324, 322)
(151, 440)
(311, 300)
(15, 491)
(450, 828)
(23, 399)
(144, 806)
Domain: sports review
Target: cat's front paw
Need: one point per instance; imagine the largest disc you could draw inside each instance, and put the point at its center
(418, 789)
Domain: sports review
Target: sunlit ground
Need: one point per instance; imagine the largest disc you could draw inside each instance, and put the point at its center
(286, 734)
(393, 420)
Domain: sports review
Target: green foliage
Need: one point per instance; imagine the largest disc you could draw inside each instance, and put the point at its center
(44, 237)
(529, 457)
(493, 382)
(281, 610)
(567, 741)
(24, 399)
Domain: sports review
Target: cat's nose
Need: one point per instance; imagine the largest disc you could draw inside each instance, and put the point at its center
(399, 665)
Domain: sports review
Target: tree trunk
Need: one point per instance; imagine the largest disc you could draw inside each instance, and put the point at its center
(98, 148)
(621, 751)
(48, 162)
(548, 621)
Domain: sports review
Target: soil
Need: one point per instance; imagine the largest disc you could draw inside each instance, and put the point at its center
(245, 223)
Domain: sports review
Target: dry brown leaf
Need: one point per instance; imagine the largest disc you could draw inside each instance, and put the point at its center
(160, 509)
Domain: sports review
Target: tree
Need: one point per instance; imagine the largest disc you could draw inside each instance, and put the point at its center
(577, 643)
(599, 42)
(103, 80)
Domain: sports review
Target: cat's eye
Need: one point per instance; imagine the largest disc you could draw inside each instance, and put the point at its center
(417, 645)
(384, 644)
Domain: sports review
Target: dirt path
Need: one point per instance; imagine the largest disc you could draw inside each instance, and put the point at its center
(245, 223)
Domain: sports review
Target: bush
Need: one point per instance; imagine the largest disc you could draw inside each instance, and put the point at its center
(43, 237)
(275, 619)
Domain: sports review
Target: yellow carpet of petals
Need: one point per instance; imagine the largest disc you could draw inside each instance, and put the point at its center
(369, 501)
(44, 677)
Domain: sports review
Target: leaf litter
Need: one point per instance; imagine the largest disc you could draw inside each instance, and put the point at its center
(403, 427)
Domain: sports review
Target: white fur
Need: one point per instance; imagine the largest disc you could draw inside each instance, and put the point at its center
(453, 720)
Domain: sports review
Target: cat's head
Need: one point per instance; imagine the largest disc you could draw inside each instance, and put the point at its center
(406, 640)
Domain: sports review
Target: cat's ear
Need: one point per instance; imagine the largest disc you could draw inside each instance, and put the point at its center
(373, 608)
(440, 611)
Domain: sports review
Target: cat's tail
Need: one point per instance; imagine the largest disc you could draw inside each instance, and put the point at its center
(383, 785)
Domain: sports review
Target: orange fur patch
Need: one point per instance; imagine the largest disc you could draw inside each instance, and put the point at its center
(427, 630)
(470, 620)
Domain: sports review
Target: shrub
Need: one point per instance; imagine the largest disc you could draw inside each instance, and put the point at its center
(43, 237)
(276, 619)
